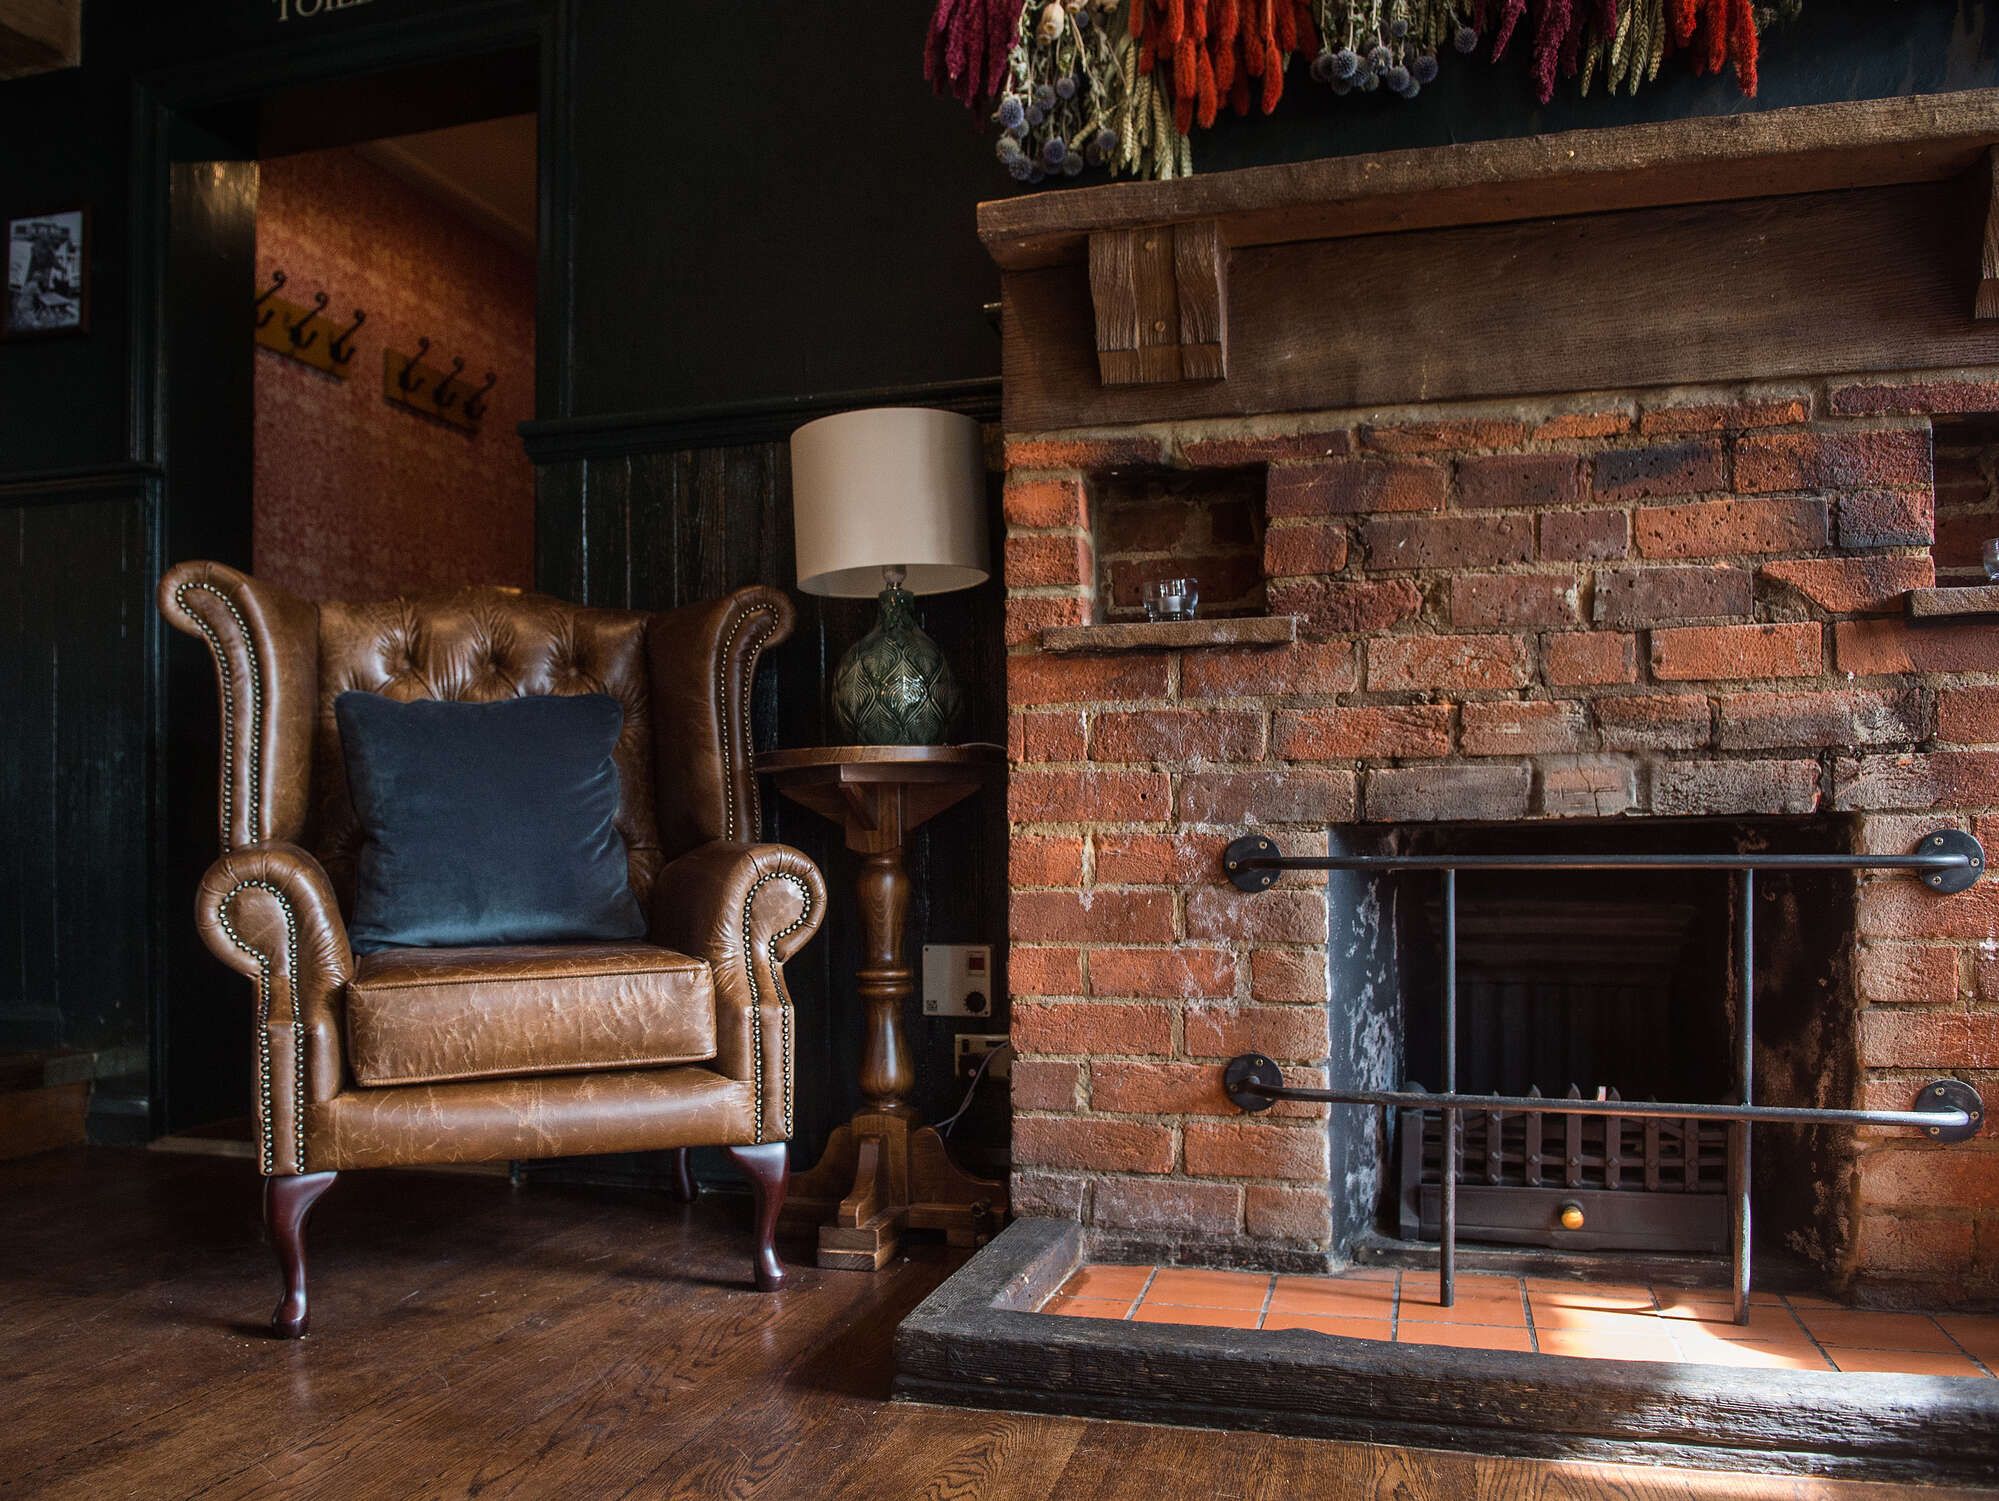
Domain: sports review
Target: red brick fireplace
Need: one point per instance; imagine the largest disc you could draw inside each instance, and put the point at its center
(1654, 571)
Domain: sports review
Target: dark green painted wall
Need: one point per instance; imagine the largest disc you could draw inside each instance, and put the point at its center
(767, 203)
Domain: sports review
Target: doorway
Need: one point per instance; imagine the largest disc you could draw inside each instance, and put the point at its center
(341, 455)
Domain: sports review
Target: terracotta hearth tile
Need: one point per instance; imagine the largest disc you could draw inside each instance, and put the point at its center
(1349, 1298)
(1905, 1362)
(1096, 1281)
(1768, 1357)
(1978, 1333)
(1489, 1308)
(1593, 1344)
(1464, 1336)
(1088, 1308)
(1855, 1329)
(1671, 1296)
(1367, 1274)
(1769, 1320)
(1602, 1320)
(1191, 1287)
(1350, 1328)
(1207, 1318)
(1623, 1297)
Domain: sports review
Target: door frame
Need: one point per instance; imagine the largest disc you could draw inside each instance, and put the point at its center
(167, 104)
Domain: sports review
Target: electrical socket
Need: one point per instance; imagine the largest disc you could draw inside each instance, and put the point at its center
(957, 979)
(972, 1048)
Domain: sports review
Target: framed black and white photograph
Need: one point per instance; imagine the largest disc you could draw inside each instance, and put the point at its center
(48, 275)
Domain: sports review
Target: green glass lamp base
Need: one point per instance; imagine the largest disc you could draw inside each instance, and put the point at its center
(894, 687)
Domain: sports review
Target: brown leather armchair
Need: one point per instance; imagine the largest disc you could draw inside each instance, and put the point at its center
(416, 1056)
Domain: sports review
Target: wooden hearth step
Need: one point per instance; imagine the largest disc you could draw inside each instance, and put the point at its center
(1527, 1366)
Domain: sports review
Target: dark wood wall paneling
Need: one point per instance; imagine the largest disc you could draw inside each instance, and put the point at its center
(74, 791)
(660, 529)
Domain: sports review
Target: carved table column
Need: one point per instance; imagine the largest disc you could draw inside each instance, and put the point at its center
(884, 1171)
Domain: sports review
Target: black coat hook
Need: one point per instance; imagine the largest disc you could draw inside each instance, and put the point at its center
(299, 337)
(342, 349)
(410, 379)
(265, 314)
(475, 404)
(444, 402)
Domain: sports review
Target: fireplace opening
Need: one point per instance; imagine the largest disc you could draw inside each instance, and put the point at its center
(1610, 985)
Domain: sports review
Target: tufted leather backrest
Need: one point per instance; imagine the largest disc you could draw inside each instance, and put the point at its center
(477, 645)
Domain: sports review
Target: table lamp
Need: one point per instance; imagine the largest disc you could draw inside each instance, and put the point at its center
(890, 502)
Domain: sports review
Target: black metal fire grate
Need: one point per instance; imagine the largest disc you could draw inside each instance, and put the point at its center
(1946, 1110)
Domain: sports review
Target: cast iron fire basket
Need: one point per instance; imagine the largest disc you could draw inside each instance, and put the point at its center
(1946, 1110)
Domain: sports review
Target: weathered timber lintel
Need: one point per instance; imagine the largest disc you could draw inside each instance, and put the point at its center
(1160, 294)
(1772, 153)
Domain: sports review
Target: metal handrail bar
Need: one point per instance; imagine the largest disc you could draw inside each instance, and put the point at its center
(1945, 1118)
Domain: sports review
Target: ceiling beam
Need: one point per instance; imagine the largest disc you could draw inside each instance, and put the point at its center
(39, 36)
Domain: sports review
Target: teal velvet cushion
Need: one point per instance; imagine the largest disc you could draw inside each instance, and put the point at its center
(486, 823)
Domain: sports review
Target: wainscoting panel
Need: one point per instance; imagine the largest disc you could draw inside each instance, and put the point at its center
(75, 623)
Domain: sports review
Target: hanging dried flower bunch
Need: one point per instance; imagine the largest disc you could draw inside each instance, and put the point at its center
(1122, 84)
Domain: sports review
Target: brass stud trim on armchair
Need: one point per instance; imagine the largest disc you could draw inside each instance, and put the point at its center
(754, 822)
(783, 1000)
(266, 1131)
(253, 760)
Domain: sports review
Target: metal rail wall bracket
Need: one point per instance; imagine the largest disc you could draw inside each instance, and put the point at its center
(1946, 1110)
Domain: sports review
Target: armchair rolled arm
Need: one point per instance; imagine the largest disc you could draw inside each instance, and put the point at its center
(703, 661)
(265, 646)
(745, 908)
(268, 912)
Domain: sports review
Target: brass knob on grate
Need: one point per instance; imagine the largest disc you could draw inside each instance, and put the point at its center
(1571, 1215)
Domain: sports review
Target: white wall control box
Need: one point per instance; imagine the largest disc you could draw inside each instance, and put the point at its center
(957, 979)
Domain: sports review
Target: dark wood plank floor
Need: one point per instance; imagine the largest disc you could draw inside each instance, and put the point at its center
(473, 1339)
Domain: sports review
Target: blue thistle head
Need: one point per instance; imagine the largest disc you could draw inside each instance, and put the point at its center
(1346, 63)
(1424, 69)
(1044, 96)
(1465, 40)
(1397, 78)
(1065, 88)
(1054, 151)
(1012, 113)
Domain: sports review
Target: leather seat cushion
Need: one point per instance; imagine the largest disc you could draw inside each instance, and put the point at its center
(420, 1016)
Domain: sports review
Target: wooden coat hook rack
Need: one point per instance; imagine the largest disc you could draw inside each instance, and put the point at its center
(304, 333)
(431, 391)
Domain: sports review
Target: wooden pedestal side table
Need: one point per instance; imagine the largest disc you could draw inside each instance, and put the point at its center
(884, 1171)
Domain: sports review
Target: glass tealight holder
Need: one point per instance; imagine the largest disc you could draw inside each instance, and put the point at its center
(1172, 599)
(1992, 559)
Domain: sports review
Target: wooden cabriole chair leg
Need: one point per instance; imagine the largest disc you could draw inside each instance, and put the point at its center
(683, 1187)
(769, 1168)
(287, 1201)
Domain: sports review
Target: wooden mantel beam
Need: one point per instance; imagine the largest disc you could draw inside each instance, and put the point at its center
(1711, 159)
(39, 36)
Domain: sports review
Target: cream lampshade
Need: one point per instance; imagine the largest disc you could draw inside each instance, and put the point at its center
(890, 502)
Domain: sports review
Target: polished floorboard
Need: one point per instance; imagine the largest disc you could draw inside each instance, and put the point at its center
(473, 1339)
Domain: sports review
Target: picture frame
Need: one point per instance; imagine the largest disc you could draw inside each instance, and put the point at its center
(48, 275)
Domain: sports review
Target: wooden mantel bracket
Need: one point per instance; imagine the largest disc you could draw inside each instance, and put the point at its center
(1987, 305)
(1161, 296)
